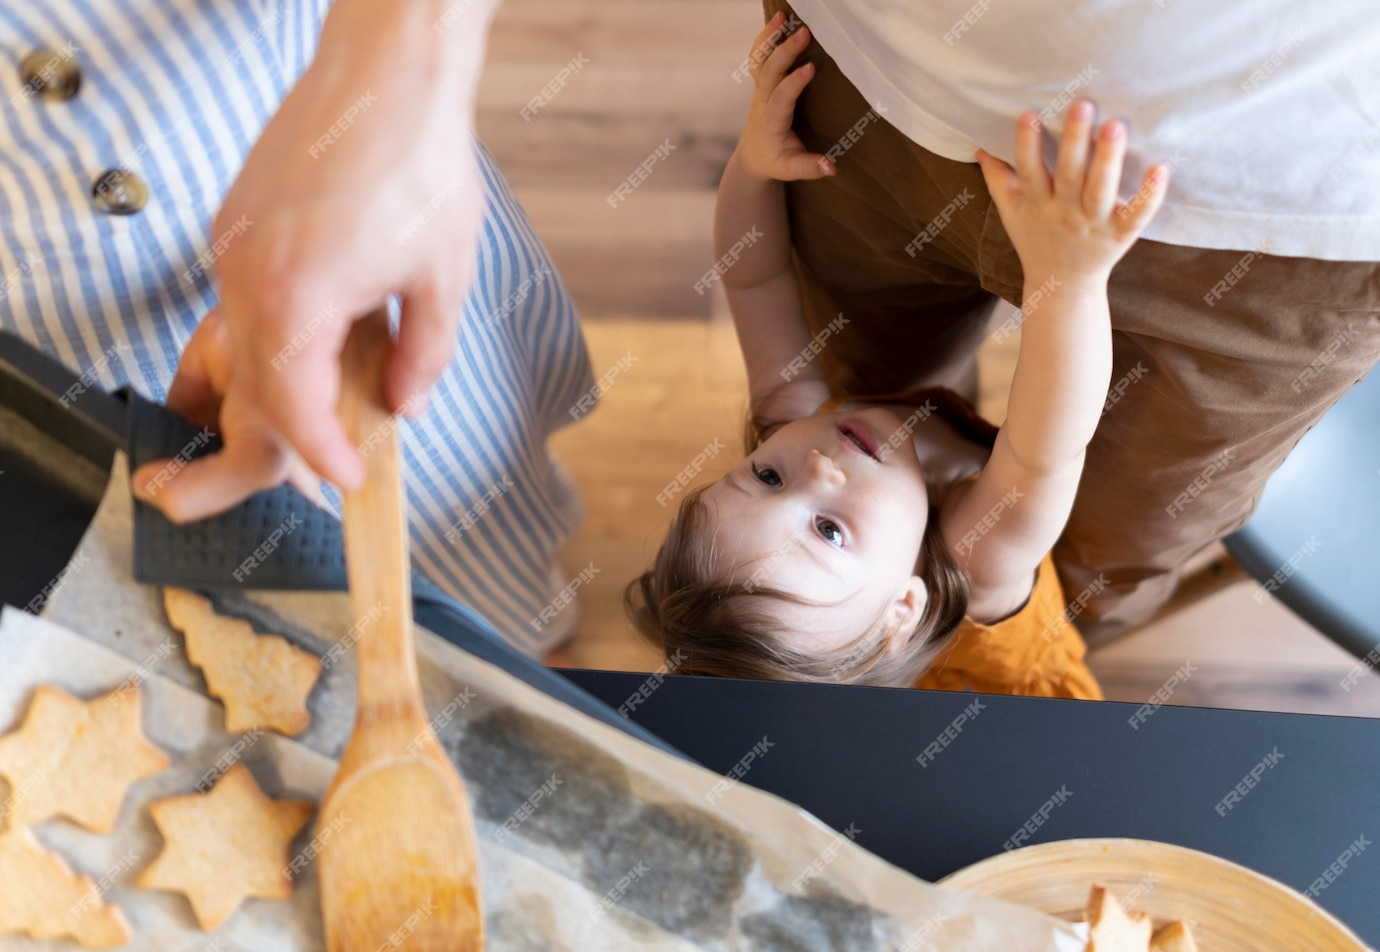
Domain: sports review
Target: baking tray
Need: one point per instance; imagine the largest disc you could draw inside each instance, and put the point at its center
(58, 439)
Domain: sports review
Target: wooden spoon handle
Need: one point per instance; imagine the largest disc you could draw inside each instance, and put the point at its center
(376, 541)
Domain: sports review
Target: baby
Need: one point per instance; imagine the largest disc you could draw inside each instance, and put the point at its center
(899, 539)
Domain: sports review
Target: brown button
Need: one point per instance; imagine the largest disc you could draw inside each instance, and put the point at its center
(50, 74)
(119, 192)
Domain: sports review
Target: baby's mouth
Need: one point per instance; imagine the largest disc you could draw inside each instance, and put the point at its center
(858, 435)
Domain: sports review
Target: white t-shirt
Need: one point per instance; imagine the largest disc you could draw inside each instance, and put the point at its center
(1268, 111)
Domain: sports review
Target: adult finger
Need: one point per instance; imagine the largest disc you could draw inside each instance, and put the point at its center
(203, 373)
(251, 460)
(425, 345)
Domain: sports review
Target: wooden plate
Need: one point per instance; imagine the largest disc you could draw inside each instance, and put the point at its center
(1229, 907)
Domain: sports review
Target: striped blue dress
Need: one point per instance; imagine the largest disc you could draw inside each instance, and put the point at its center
(177, 91)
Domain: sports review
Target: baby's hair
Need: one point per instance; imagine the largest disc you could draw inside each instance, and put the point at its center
(719, 626)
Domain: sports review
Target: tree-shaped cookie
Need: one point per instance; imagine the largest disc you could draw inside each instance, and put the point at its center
(76, 759)
(41, 896)
(262, 680)
(225, 845)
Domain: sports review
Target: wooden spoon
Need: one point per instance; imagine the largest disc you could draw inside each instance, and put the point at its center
(398, 859)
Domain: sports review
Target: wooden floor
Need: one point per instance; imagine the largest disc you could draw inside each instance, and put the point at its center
(656, 72)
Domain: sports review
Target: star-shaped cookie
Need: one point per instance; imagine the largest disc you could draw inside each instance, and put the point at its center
(262, 680)
(77, 758)
(225, 845)
(43, 897)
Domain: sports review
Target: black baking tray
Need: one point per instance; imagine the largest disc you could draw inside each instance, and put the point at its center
(58, 439)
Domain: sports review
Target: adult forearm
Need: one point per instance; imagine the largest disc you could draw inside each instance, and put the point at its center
(1062, 374)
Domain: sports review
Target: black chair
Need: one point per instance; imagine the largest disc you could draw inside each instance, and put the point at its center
(1314, 541)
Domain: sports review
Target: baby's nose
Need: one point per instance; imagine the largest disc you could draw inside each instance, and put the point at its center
(826, 469)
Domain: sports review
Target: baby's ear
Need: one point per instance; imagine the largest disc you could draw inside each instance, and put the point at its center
(904, 613)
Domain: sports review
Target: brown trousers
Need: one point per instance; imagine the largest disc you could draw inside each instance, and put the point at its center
(1222, 360)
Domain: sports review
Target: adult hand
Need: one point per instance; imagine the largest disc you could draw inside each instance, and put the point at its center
(363, 184)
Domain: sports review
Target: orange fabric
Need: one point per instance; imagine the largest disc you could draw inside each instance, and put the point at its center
(1036, 651)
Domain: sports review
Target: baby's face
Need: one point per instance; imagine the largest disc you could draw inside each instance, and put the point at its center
(812, 512)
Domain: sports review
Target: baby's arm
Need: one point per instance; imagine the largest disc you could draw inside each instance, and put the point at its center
(752, 247)
(1070, 231)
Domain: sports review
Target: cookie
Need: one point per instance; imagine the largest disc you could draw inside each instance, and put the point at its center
(42, 897)
(225, 845)
(1112, 928)
(77, 759)
(1174, 937)
(262, 680)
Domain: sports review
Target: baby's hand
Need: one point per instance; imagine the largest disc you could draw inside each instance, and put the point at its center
(1071, 226)
(768, 148)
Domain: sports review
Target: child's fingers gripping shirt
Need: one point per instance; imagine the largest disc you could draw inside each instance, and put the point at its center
(782, 58)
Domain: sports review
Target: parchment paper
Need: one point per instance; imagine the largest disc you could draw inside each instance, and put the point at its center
(589, 839)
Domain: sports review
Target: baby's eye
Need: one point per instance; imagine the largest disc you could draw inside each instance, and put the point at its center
(830, 531)
(767, 475)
